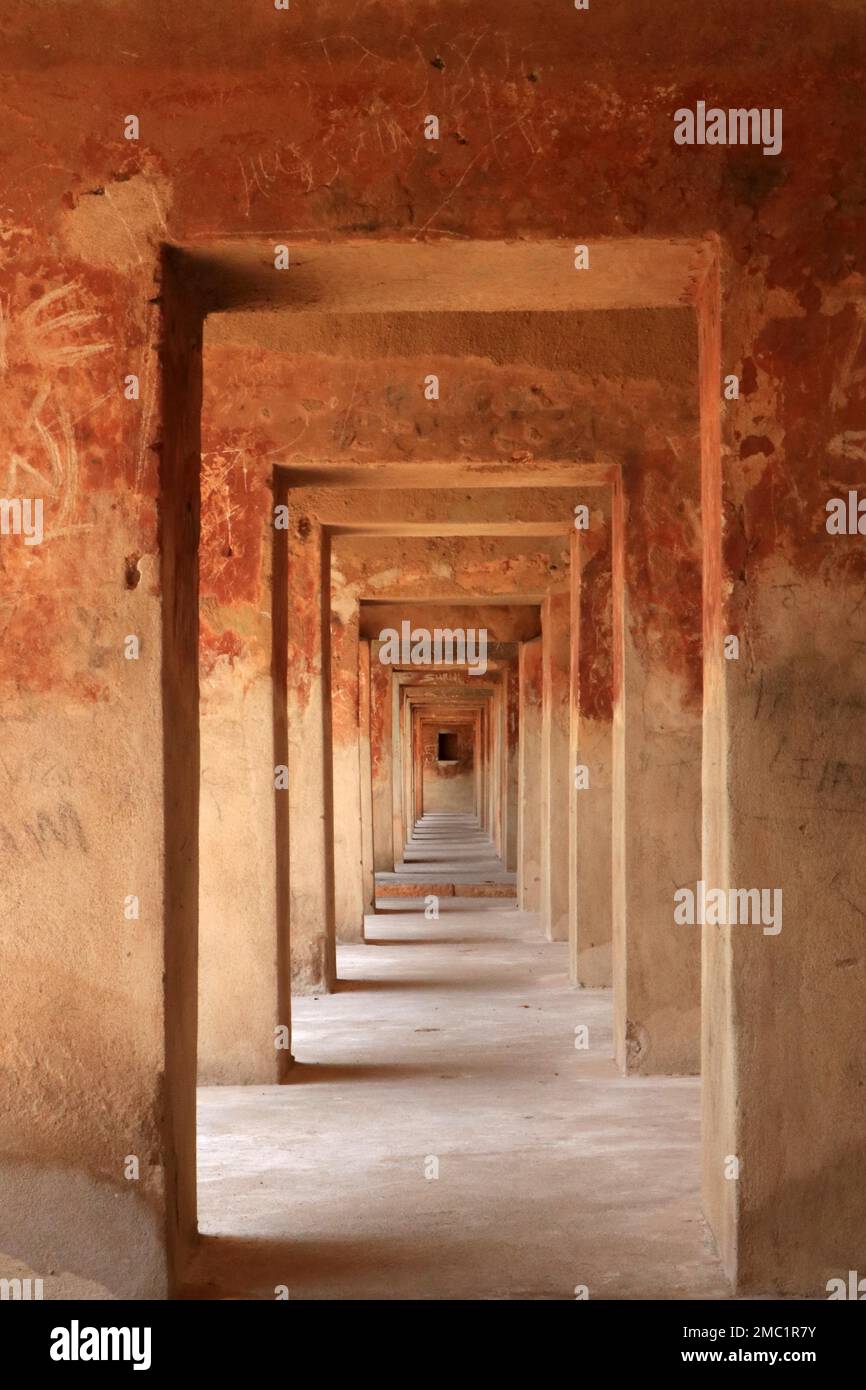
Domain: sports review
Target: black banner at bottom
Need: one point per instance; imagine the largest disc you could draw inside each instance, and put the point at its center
(63, 1339)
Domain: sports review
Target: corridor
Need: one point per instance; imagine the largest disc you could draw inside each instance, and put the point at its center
(449, 835)
(451, 847)
(433, 558)
(452, 1042)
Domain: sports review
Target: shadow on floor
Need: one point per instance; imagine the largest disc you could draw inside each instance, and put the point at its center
(434, 982)
(320, 1073)
(233, 1267)
(432, 940)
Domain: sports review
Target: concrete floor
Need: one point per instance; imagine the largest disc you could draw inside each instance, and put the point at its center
(453, 1039)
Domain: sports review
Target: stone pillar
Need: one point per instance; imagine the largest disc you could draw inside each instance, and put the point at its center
(513, 764)
(381, 755)
(662, 789)
(529, 781)
(783, 1036)
(496, 767)
(477, 756)
(365, 773)
(398, 771)
(784, 759)
(238, 1001)
(408, 768)
(417, 764)
(574, 793)
(483, 768)
(492, 766)
(100, 795)
(502, 765)
(492, 758)
(556, 776)
(656, 818)
(311, 848)
(619, 937)
(346, 736)
(592, 966)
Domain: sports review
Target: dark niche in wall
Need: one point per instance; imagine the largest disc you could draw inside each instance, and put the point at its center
(447, 747)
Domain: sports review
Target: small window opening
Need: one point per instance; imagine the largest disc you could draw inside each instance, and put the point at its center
(447, 749)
